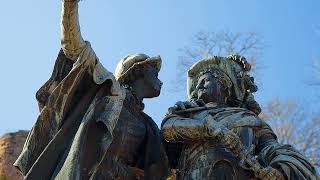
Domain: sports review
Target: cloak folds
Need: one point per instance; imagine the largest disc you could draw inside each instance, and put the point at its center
(76, 96)
(196, 156)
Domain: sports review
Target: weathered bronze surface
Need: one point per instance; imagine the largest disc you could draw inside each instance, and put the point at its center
(91, 123)
(218, 134)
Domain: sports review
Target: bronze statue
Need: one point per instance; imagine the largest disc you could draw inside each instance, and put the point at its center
(217, 134)
(92, 124)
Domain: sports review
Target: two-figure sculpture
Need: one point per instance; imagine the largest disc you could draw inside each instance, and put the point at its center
(92, 125)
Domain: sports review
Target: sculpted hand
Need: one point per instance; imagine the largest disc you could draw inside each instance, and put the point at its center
(232, 141)
(270, 173)
(137, 173)
(70, 0)
(183, 105)
(223, 134)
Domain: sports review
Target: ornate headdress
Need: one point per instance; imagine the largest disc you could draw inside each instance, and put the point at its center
(233, 72)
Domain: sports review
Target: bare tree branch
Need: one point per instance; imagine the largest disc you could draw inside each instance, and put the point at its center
(316, 73)
(294, 125)
(315, 67)
(223, 43)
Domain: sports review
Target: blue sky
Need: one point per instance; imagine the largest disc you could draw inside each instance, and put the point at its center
(31, 40)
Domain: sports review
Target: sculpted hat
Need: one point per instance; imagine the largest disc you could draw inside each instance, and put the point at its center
(232, 70)
(133, 61)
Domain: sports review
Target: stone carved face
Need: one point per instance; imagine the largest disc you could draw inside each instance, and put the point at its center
(151, 82)
(209, 89)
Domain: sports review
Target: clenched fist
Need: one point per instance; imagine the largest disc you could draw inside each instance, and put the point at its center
(270, 173)
(137, 173)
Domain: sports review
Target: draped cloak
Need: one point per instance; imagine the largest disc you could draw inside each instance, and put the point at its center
(77, 95)
(199, 159)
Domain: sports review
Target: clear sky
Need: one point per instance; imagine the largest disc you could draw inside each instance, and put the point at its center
(30, 41)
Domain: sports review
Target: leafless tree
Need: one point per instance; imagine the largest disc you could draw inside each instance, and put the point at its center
(204, 44)
(316, 73)
(296, 126)
(315, 66)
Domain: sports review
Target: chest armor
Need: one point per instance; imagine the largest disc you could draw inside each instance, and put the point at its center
(210, 159)
(129, 135)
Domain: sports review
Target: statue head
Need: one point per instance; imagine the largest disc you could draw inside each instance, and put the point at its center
(223, 80)
(209, 88)
(140, 72)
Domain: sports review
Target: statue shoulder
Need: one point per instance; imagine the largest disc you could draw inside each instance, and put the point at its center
(150, 122)
(240, 117)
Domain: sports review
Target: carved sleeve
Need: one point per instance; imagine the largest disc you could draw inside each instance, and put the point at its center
(72, 42)
(284, 158)
(179, 129)
(112, 169)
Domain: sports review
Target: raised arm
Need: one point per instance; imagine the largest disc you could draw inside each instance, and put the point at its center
(72, 42)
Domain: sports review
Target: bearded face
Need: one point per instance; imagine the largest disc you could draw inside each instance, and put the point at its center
(210, 90)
